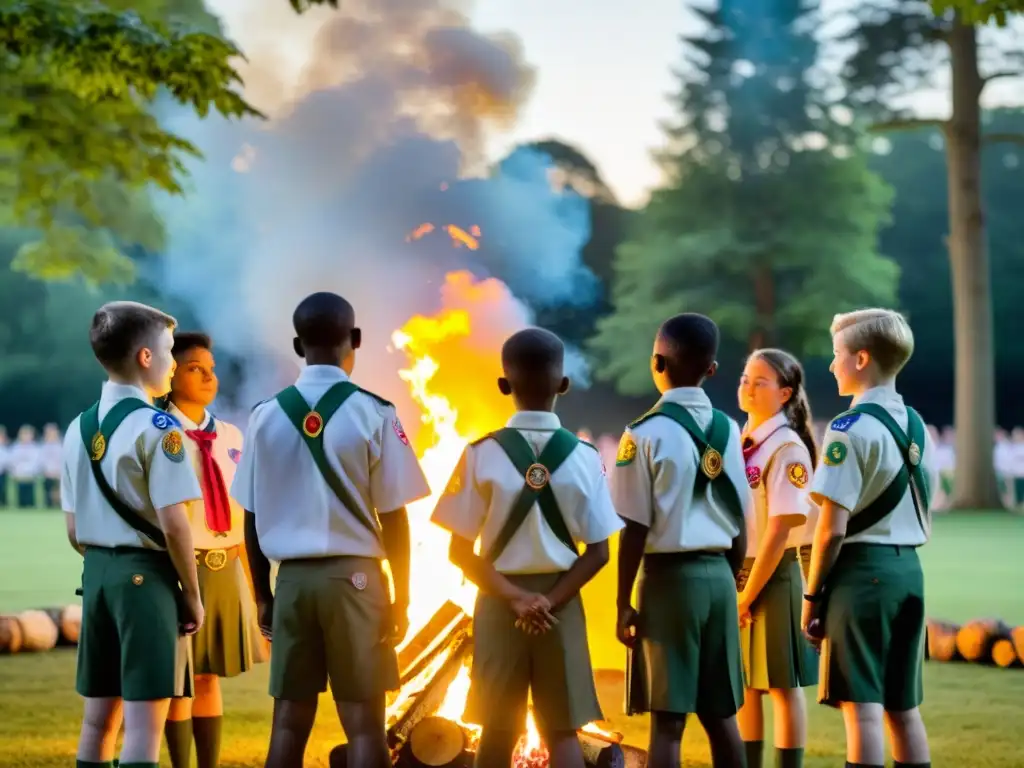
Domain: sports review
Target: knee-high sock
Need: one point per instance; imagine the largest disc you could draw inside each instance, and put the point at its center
(755, 753)
(911, 765)
(179, 742)
(87, 764)
(862, 765)
(789, 758)
(207, 735)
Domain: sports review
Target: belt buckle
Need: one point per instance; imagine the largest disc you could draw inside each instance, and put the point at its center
(216, 559)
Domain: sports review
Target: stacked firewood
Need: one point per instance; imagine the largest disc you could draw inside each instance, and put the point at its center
(40, 630)
(983, 641)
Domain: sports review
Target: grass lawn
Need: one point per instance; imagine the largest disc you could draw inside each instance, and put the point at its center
(972, 568)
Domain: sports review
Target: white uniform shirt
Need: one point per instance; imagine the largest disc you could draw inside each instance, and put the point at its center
(24, 461)
(1017, 459)
(5, 459)
(859, 460)
(779, 471)
(297, 513)
(227, 452)
(51, 456)
(653, 480)
(484, 487)
(144, 464)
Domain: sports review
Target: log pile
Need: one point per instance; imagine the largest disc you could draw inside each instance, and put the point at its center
(982, 641)
(40, 630)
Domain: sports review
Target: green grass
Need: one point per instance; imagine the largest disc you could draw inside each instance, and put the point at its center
(972, 712)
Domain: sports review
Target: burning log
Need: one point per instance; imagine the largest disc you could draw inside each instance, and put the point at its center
(431, 640)
(941, 645)
(975, 639)
(437, 741)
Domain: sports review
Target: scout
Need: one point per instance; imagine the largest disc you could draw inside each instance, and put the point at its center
(779, 451)
(680, 485)
(25, 464)
(531, 492)
(865, 594)
(229, 642)
(5, 459)
(52, 459)
(125, 488)
(324, 479)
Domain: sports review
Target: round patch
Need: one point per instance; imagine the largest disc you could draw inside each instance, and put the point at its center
(835, 454)
(753, 476)
(359, 581)
(711, 464)
(397, 426)
(235, 455)
(164, 421)
(914, 454)
(98, 447)
(537, 476)
(313, 424)
(137, 579)
(797, 474)
(627, 450)
(173, 447)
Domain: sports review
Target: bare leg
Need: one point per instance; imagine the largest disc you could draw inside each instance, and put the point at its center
(789, 708)
(101, 721)
(365, 731)
(293, 722)
(908, 736)
(143, 730)
(495, 748)
(724, 738)
(865, 741)
(666, 743)
(564, 748)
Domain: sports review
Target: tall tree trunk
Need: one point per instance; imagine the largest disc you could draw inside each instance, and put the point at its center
(975, 479)
(764, 305)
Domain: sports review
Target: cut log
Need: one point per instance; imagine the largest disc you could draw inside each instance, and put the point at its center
(431, 640)
(38, 631)
(70, 624)
(10, 634)
(1017, 635)
(941, 644)
(975, 639)
(436, 741)
(1004, 654)
(598, 753)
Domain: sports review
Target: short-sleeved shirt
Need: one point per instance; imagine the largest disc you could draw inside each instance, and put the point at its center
(297, 513)
(859, 460)
(778, 472)
(24, 460)
(485, 485)
(653, 481)
(143, 463)
(227, 452)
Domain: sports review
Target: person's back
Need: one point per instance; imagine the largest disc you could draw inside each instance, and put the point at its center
(25, 462)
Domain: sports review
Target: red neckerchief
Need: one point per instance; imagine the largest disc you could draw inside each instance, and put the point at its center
(750, 447)
(215, 495)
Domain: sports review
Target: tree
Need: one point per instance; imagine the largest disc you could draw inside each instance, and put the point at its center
(897, 49)
(980, 11)
(769, 223)
(80, 143)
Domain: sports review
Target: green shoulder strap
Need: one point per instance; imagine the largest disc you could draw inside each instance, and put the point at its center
(311, 423)
(96, 438)
(536, 472)
(911, 474)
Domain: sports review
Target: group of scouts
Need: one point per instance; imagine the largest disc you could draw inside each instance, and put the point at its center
(754, 549)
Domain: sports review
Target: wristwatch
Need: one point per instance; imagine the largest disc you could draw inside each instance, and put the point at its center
(813, 598)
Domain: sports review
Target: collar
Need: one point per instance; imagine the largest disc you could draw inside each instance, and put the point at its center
(691, 397)
(186, 422)
(765, 429)
(321, 374)
(115, 393)
(539, 421)
(885, 395)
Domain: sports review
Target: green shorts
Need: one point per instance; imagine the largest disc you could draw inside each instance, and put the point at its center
(129, 644)
(229, 641)
(873, 650)
(509, 665)
(332, 624)
(775, 652)
(689, 636)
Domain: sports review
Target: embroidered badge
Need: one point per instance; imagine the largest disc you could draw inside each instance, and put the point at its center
(627, 450)
(843, 423)
(914, 454)
(313, 424)
(711, 463)
(234, 454)
(164, 421)
(137, 579)
(797, 474)
(753, 476)
(537, 476)
(359, 581)
(98, 447)
(173, 447)
(397, 426)
(835, 454)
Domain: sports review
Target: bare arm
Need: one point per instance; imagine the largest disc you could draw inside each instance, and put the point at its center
(482, 572)
(769, 553)
(175, 525)
(259, 564)
(632, 541)
(829, 535)
(69, 522)
(737, 553)
(582, 571)
(395, 533)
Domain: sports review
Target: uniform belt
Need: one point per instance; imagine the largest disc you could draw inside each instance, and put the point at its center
(654, 559)
(217, 559)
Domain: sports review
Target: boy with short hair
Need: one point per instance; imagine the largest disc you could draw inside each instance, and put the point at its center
(680, 484)
(325, 477)
(865, 594)
(530, 492)
(124, 489)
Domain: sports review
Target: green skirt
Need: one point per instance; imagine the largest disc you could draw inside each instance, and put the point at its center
(229, 642)
(775, 652)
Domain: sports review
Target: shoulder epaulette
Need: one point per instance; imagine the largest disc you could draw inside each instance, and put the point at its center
(589, 445)
(649, 415)
(479, 440)
(378, 398)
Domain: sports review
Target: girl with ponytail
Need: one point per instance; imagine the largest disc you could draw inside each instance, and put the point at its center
(779, 452)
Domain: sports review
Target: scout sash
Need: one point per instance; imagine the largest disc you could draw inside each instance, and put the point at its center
(536, 472)
(711, 446)
(911, 474)
(96, 438)
(310, 424)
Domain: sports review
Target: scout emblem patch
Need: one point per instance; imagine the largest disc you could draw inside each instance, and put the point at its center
(537, 476)
(797, 474)
(359, 581)
(137, 579)
(835, 454)
(843, 423)
(313, 424)
(234, 454)
(173, 447)
(711, 464)
(98, 446)
(627, 450)
(753, 476)
(164, 421)
(397, 426)
(914, 454)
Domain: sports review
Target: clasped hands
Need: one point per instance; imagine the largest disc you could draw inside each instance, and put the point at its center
(534, 613)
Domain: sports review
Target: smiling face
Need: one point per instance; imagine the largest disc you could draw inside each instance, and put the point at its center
(195, 380)
(759, 394)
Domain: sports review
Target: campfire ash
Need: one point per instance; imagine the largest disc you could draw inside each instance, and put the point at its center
(424, 725)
